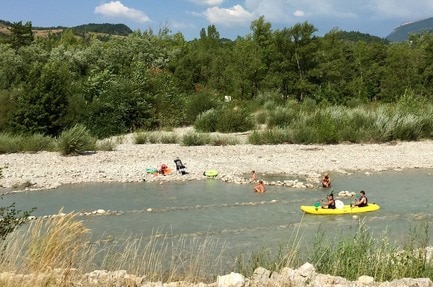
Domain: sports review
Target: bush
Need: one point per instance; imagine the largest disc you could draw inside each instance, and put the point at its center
(38, 142)
(106, 145)
(20, 143)
(11, 219)
(207, 121)
(76, 140)
(198, 103)
(168, 138)
(234, 120)
(195, 139)
(140, 138)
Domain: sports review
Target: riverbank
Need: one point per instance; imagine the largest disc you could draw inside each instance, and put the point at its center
(128, 163)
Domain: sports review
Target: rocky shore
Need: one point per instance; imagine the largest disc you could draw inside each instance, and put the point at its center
(128, 162)
(305, 275)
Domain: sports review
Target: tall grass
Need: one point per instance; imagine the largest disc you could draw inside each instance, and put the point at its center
(55, 251)
(406, 121)
(10, 143)
(76, 140)
(367, 254)
(62, 244)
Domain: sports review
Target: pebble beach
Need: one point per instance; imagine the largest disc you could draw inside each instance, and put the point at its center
(128, 162)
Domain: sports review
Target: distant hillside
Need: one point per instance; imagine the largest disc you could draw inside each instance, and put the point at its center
(358, 36)
(106, 28)
(402, 32)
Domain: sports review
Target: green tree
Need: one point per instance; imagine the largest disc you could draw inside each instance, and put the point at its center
(20, 35)
(42, 106)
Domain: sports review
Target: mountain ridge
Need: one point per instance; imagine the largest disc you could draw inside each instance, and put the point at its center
(402, 32)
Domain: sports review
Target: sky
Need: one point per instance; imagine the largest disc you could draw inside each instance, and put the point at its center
(232, 18)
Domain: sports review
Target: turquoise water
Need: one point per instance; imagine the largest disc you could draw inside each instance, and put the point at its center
(234, 214)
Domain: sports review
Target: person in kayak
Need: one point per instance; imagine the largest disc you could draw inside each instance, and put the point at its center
(362, 200)
(330, 204)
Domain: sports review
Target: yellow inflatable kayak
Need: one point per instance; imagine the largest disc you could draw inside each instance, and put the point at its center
(346, 209)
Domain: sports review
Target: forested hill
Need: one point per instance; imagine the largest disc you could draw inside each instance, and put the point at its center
(105, 28)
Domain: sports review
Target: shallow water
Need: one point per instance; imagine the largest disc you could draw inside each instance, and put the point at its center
(234, 213)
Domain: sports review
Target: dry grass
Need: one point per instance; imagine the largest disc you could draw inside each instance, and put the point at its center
(58, 252)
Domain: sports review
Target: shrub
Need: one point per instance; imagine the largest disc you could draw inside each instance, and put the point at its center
(169, 138)
(281, 117)
(140, 138)
(234, 120)
(198, 103)
(207, 121)
(11, 219)
(38, 142)
(223, 140)
(105, 145)
(76, 140)
(195, 139)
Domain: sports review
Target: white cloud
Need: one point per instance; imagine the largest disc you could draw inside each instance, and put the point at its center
(228, 16)
(208, 2)
(299, 13)
(118, 10)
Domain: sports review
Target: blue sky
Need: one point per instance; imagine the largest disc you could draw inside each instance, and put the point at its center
(231, 17)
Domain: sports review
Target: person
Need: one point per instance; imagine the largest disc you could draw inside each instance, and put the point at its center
(164, 169)
(260, 187)
(326, 181)
(330, 202)
(253, 176)
(362, 200)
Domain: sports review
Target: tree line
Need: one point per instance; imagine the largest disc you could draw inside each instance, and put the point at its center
(150, 80)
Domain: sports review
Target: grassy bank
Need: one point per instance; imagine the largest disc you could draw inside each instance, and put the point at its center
(410, 119)
(62, 244)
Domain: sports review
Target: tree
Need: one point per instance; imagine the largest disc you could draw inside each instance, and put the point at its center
(21, 35)
(43, 105)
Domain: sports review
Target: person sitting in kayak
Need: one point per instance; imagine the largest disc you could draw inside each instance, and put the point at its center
(326, 181)
(330, 204)
(260, 187)
(362, 200)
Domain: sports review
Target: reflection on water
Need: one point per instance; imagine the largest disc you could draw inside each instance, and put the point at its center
(234, 213)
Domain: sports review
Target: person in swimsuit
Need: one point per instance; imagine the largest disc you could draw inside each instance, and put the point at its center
(326, 181)
(362, 200)
(260, 187)
(330, 204)
(253, 176)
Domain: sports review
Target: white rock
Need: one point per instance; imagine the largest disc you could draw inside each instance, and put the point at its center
(231, 280)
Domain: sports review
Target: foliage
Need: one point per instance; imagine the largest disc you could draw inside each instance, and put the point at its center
(60, 243)
(106, 28)
(150, 81)
(77, 140)
(105, 145)
(10, 143)
(207, 121)
(11, 218)
(367, 254)
(195, 139)
(20, 35)
(141, 138)
(234, 119)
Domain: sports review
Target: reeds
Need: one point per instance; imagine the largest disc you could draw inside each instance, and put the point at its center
(60, 248)
(366, 254)
(335, 124)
